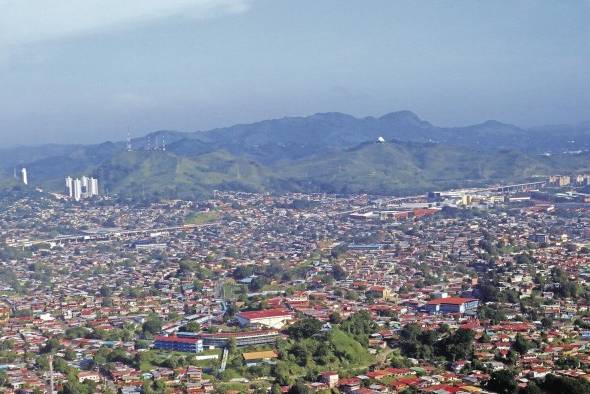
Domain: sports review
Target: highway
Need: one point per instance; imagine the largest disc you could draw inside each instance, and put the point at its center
(109, 235)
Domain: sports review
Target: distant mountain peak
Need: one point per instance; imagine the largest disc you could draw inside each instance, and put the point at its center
(330, 116)
(404, 115)
(495, 123)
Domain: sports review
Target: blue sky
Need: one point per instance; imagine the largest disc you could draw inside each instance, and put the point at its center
(84, 71)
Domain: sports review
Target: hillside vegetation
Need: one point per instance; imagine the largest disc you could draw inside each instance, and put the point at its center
(332, 152)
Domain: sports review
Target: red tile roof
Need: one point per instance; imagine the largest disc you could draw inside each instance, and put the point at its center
(451, 300)
(277, 312)
(176, 339)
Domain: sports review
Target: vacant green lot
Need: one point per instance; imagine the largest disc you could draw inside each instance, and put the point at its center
(202, 217)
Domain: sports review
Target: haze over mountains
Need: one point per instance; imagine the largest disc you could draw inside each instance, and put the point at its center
(330, 152)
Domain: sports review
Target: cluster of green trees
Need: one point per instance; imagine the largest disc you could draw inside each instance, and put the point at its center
(197, 268)
(309, 350)
(428, 344)
(564, 286)
(9, 253)
(360, 326)
(504, 382)
(276, 270)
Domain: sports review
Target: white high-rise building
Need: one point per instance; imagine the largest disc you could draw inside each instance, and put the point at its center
(85, 182)
(77, 189)
(80, 188)
(24, 177)
(93, 187)
(69, 187)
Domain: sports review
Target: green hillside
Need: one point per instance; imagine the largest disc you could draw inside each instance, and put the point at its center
(400, 168)
(165, 174)
(378, 168)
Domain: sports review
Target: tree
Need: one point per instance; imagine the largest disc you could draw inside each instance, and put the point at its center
(258, 283)
(3, 378)
(531, 388)
(153, 325)
(51, 346)
(502, 382)
(281, 372)
(192, 326)
(521, 345)
(232, 345)
(304, 328)
(299, 388)
(360, 325)
(335, 318)
(275, 389)
(338, 272)
(546, 322)
(456, 346)
(242, 271)
(565, 385)
(105, 291)
(70, 354)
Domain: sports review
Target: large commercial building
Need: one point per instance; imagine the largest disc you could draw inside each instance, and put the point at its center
(178, 344)
(242, 338)
(465, 306)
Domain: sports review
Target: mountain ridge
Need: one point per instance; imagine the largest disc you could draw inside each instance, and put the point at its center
(299, 154)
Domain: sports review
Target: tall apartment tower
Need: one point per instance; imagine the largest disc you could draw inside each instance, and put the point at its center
(69, 187)
(85, 188)
(77, 189)
(23, 176)
(93, 187)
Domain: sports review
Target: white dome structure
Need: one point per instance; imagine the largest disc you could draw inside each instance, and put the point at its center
(380, 140)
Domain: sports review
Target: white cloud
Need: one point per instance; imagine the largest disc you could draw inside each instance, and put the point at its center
(29, 21)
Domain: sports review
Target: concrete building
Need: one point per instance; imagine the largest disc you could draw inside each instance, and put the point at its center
(466, 306)
(93, 187)
(559, 180)
(77, 189)
(242, 338)
(69, 187)
(273, 318)
(191, 345)
(24, 176)
(80, 188)
(85, 182)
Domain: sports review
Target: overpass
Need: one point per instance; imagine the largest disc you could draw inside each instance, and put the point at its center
(111, 235)
(520, 187)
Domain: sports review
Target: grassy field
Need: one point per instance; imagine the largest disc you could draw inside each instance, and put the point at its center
(202, 217)
(152, 358)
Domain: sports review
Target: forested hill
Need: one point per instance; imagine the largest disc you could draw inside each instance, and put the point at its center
(330, 152)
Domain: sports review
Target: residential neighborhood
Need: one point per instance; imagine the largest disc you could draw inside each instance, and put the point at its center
(465, 291)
